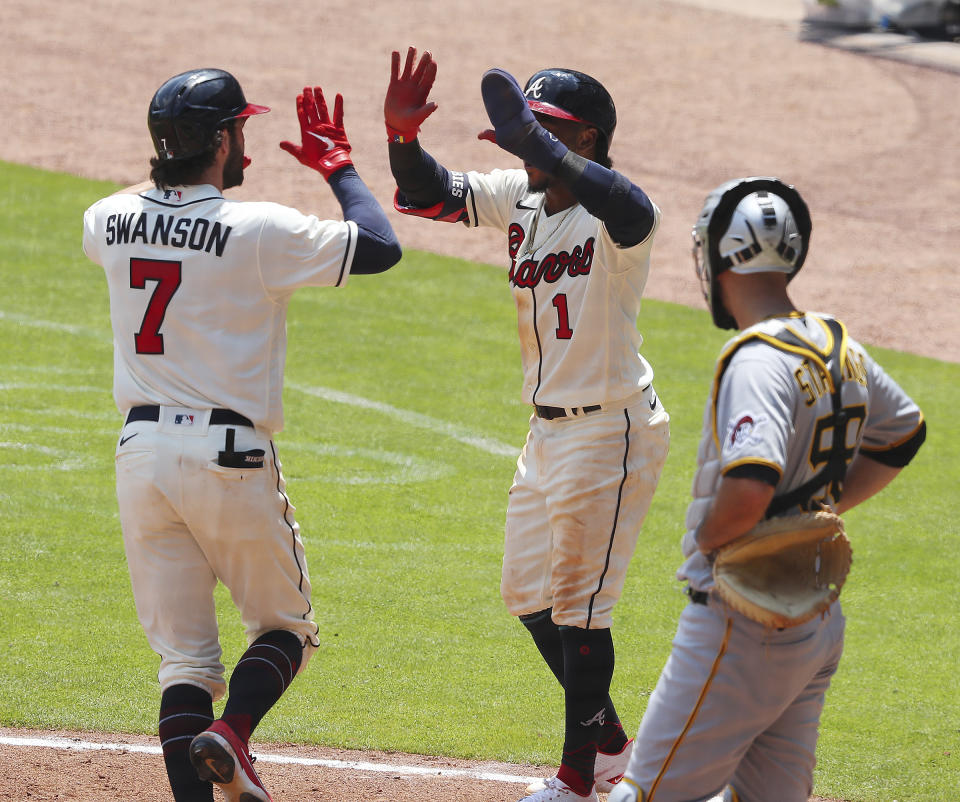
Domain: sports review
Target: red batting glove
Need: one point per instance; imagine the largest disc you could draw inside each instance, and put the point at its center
(325, 147)
(405, 106)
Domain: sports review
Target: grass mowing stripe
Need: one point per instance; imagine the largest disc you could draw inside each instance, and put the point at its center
(410, 418)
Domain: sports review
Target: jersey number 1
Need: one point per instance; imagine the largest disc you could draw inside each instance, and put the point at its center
(149, 340)
(564, 332)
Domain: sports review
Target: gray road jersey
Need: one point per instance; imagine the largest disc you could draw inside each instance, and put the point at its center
(771, 406)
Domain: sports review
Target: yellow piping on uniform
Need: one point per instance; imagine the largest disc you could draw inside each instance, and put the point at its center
(754, 461)
(628, 781)
(900, 442)
(696, 709)
(813, 352)
(812, 355)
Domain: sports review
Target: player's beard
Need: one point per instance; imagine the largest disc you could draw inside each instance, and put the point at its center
(537, 180)
(233, 167)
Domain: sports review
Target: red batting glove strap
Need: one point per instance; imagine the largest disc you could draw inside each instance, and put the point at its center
(393, 135)
(332, 162)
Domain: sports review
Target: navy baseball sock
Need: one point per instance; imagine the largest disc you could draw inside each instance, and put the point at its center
(588, 669)
(546, 635)
(185, 712)
(259, 679)
(612, 737)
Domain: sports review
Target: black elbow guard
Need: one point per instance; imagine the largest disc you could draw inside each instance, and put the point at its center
(451, 207)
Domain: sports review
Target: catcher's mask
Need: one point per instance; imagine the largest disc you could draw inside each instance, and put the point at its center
(748, 225)
(571, 95)
(188, 111)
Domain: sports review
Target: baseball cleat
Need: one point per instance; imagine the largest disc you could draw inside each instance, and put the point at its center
(610, 768)
(553, 789)
(219, 756)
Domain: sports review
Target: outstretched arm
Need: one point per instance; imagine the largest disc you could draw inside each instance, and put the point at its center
(624, 208)
(324, 147)
(425, 187)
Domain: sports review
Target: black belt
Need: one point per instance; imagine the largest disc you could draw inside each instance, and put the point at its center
(549, 413)
(218, 417)
(697, 596)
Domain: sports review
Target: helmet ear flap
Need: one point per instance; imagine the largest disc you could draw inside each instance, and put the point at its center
(720, 217)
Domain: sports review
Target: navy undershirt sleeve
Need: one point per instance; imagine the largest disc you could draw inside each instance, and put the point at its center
(623, 207)
(421, 180)
(425, 187)
(377, 246)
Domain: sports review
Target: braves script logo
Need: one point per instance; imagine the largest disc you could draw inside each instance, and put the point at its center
(535, 89)
(530, 272)
(744, 431)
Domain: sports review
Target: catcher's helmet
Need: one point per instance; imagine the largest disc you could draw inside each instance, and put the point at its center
(749, 225)
(188, 110)
(572, 95)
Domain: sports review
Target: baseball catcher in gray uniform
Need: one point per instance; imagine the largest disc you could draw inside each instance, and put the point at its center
(800, 423)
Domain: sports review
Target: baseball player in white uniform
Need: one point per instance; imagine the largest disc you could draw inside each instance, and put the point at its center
(798, 416)
(578, 238)
(199, 287)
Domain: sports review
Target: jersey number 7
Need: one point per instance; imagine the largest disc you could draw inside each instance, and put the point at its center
(166, 273)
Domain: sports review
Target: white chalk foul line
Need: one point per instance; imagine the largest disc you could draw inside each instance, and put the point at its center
(350, 765)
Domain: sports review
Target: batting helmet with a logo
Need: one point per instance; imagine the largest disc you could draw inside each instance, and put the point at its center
(572, 95)
(188, 110)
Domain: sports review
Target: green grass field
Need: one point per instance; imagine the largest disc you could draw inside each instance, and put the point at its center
(403, 425)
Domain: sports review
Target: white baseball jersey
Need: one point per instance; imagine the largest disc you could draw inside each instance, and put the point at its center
(577, 294)
(199, 287)
(773, 408)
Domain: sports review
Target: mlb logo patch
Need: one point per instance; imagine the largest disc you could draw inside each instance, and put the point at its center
(172, 193)
(182, 419)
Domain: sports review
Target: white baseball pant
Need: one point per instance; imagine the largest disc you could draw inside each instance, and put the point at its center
(188, 522)
(579, 497)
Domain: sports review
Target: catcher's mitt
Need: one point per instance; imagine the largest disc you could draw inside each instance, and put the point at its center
(785, 570)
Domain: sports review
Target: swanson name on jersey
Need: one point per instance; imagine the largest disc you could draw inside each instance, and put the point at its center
(196, 233)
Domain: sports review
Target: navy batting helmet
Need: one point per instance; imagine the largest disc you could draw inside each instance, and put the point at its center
(188, 110)
(749, 225)
(572, 95)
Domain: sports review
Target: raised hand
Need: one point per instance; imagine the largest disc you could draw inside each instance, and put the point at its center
(324, 145)
(405, 106)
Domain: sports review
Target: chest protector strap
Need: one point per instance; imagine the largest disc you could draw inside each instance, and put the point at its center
(831, 364)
